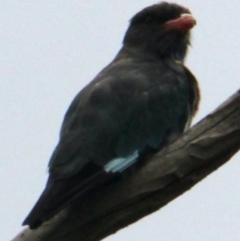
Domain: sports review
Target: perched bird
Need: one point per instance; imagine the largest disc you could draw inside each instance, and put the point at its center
(136, 105)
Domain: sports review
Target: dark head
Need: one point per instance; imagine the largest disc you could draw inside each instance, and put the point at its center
(162, 29)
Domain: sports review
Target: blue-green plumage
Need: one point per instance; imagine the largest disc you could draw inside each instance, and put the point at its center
(142, 100)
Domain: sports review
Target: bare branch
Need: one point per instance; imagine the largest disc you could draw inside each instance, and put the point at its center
(166, 175)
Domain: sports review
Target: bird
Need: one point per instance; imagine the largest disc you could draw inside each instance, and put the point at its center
(138, 104)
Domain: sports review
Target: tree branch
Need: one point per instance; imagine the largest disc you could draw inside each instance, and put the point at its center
(166, 175)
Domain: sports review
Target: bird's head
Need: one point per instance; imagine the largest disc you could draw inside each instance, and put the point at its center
(162, 29)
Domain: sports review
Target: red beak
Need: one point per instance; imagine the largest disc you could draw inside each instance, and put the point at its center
(184, 23)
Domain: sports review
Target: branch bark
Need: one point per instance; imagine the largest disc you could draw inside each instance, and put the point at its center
(166, 175)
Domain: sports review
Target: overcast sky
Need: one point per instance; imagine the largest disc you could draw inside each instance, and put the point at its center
(50, 49)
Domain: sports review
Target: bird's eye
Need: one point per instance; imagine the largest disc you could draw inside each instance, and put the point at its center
(149, 20)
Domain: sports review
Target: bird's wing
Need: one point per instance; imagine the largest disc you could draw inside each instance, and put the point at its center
(109, 124)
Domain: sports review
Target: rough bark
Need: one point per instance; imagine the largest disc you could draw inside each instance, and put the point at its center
(166, 175)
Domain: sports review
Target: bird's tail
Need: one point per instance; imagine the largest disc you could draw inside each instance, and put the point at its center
(59, 194)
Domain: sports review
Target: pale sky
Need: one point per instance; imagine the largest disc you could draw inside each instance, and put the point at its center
(50, 49)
